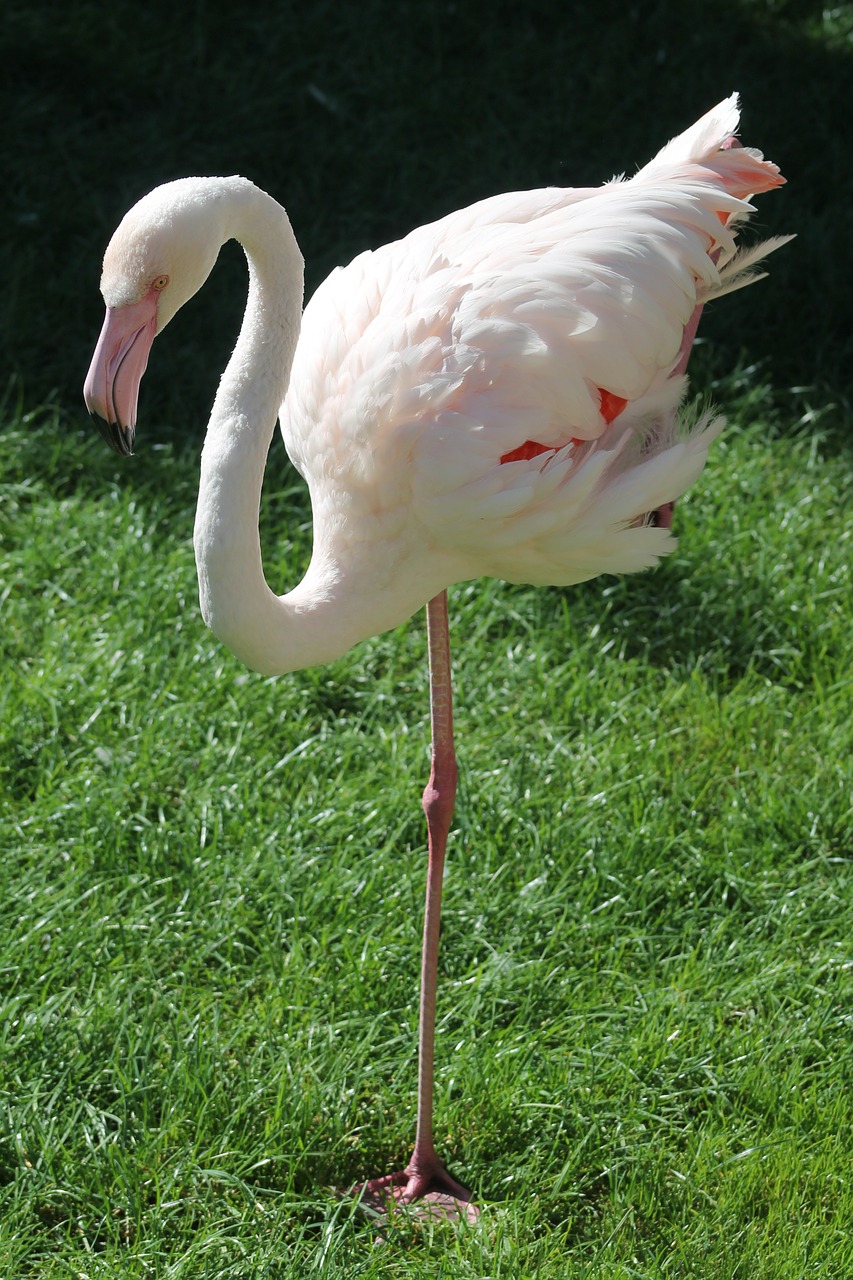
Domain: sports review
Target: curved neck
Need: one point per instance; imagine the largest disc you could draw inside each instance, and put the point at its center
(269, 633)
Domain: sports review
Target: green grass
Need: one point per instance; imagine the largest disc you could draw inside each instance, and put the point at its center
(211, 883)
(211, 897)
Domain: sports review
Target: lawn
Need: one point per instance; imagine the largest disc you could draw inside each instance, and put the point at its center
(211, 883)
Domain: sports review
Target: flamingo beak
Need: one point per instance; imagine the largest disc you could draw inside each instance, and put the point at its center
(111, 389)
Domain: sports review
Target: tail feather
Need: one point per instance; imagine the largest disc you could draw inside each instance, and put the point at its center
(739, 270)
(725, 175)
(710, 145)
(704, 137)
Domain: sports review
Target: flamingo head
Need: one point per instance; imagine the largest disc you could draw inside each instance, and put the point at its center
(160, 255)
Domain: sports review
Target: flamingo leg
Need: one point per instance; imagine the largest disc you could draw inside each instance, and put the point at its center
(663, 516)
(425, 1183)
(687, 343)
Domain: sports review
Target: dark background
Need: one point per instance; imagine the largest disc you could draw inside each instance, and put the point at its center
(366, 119)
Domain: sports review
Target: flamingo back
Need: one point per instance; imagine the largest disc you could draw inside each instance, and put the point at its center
(496, 389)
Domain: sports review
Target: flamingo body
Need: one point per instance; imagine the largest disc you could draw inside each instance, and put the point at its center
(426, 366)
(498, 393)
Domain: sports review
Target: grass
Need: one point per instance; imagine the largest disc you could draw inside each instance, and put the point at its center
(211, 883)
(211, 898)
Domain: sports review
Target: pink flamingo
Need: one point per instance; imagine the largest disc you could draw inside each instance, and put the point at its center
(495, 394)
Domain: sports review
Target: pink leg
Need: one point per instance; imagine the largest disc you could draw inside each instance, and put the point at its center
(663, 516)
(687, 343)
(425, 1179)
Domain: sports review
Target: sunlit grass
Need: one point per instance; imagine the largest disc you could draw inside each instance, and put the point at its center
(211, 896)
(211, 883)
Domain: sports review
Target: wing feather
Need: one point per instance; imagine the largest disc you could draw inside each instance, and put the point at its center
(423, 363)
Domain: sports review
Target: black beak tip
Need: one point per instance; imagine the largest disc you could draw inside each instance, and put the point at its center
(117, 437)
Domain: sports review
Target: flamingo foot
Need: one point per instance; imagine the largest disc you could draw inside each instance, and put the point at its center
(428, 1192)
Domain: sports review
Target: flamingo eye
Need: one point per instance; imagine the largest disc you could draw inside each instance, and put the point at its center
(160, 283)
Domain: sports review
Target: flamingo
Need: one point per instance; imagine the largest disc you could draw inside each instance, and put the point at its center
(497, 393)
